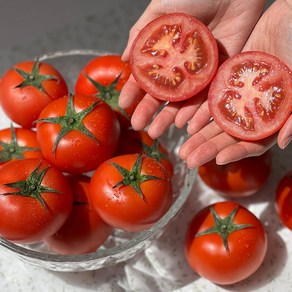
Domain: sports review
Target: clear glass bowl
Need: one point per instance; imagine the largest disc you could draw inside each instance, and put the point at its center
(121, 245)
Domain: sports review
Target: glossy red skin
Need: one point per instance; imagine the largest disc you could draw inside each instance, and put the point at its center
(261, 125)
(175, 57)
(24, 219)
(23, 105)
(122, 207)
(283, 199)
(131, 142)
(84, 231)
(104, 70)
(207, 255)
(239, 178)
(25, 138)
(77, 153)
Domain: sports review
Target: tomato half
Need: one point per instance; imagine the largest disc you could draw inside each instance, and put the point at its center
(284, 199)
(131, 192)
(27, 88)
(77, 133)
(174, 57)
(251, 96)
(239, 178)
(35, 200)
(104, 76)
(225, 243)
(84, 231)
(18, 143)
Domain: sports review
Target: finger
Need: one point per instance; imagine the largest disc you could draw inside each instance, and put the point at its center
(285, 134)
(163, 120)
(198, 139)
(144, 112)
(129, 93)
(243, 149)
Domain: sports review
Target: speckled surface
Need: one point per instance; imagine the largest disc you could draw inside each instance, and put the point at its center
(105, 25)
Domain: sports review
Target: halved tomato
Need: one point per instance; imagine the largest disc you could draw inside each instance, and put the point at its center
(251, 96)
(174, 57)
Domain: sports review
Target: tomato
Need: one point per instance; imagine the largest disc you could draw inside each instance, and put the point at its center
(77, 133)
(284, 199)
(27, 88)
(84, 231)
(104, 76)
(239, 178)
(225, 243)
(132, 141)
(18, 143)
(251, 96)
(174, 57)
(35, 200)
(131, 191)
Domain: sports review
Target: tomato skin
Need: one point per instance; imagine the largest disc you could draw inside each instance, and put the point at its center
(76, 152)
(84, 231)
(24, 219)
(207, 255)
(25, 138)
(131, 141)
(283, 199)
(250, 97)
(122, 207)
(174, 57)
(29, 100)
(237, 179)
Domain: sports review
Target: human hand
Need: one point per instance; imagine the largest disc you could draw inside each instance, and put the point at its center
(272, 34)
(230, 22)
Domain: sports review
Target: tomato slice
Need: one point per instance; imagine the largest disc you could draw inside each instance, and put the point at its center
(174, 57)
(251, 96)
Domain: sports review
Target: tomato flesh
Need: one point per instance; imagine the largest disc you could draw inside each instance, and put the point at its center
(250, 97)
(174, 57)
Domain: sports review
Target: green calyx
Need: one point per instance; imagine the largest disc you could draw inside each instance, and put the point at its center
(109, 94)
(34, 78)
(134, 177)
(153, 151)
(224, 226)
(32, 186)
(71, 121)
(13, 150)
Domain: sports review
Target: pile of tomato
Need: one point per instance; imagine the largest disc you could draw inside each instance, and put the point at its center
(73, 168)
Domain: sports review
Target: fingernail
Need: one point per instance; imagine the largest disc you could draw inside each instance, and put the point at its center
(286, 142)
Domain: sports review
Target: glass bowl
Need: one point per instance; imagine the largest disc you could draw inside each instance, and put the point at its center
(121, 245)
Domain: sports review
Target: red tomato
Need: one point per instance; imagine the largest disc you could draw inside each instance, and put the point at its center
(18, 143)
(27, 88)
(284, 199)
(239, 178)
(174, 57)
(251, 96)
(131, 192)
(35, 200)
(77, 133)
(132, 141)
(104, 77)
(84, 231)
(225, 243)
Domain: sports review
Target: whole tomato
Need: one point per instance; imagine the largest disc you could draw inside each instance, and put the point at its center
(27, 88)
(77, 133)
(240, 178)
(284, 199)
(104, 76)
(132, 141)
(18, 143)
(225, 243)
(131, 192)
(84, 231)
(35, 200)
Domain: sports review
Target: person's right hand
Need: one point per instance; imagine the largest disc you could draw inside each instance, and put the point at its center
(231, 23)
